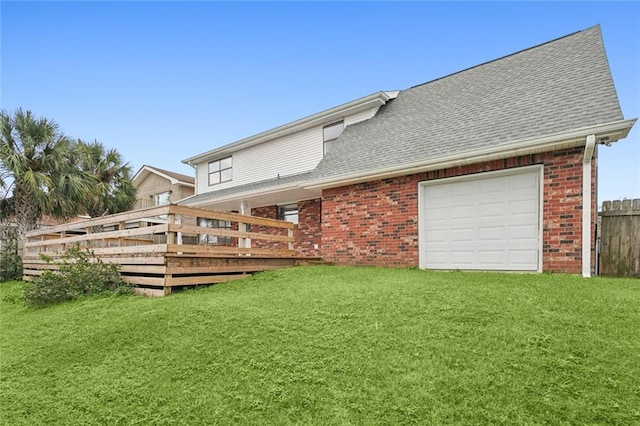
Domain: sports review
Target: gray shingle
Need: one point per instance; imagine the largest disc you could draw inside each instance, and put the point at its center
(558, 86)
(263, 184)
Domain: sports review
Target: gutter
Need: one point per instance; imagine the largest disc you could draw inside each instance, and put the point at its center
(241, 195)
(586, 205)
(604, 133)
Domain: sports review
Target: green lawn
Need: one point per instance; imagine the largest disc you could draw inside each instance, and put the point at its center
(331, 345)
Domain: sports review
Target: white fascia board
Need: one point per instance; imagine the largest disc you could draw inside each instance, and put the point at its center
(242, 195)
(605, 133)
(149, 169)
(325, 117)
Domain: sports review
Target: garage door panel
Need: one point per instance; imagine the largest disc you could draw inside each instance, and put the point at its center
(461, 190)
(491, 209)
(463, 258)
(524, 232)
(488, 223)
(437, 213)
(437, 236)
(492, 257)
(524, 206)
(489, 185)
(439, 259)
(492, 233)
(462, 212)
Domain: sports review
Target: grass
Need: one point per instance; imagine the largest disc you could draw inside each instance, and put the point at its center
(332, 346)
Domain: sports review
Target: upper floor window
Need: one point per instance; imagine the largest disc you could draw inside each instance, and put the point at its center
(330, 134)
(220, 171)
(288, 212)
(162, 199)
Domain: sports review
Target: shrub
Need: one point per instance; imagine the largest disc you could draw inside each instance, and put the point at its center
(10, 262)
(80, 273)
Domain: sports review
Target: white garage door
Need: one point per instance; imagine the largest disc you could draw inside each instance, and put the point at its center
(488, 221)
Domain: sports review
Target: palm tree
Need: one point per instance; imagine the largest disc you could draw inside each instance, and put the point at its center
(113, 192)
(38, 171)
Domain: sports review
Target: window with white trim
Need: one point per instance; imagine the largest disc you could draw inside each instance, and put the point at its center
(330, 134)
(162, 199)
(288, 212)
(220, 171)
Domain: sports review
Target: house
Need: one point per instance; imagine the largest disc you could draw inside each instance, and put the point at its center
(490, 168)
(157, 187)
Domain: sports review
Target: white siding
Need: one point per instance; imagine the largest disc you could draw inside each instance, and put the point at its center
(297, 153)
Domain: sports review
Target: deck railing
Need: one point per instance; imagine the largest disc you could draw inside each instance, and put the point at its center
(142, 241)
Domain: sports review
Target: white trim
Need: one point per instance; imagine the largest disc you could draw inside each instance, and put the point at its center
(586, 205)
(476, 176)
(325, 117)
(248, 194)
(605, 133)
(150, 169)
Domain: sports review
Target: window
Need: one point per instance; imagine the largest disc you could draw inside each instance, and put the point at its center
(330, 135)
(289, 213)
(220, 171)
(217, 224)
(162, 199)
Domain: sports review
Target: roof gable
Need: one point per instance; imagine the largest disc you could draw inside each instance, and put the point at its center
(555, 87)
(173, 177)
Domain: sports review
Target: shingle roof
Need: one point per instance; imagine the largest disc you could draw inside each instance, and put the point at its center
(561, 85)
(249, 187)
(177, 176)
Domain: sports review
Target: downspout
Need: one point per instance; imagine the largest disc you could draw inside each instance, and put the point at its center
(586, 205)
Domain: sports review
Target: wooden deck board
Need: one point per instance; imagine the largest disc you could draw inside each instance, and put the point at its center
(164, 260)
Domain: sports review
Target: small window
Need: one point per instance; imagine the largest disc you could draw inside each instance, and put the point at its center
(217, 224)
(289, 213)
(162, 199)
(220, 171)
(330, 135)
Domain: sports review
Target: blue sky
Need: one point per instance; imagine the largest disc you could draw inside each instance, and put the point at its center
(163, 81)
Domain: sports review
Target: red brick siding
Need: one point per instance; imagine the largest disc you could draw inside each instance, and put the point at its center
(306, 233)
(376, 223)
(269, 212)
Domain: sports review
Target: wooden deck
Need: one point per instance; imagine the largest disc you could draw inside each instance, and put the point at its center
(161, 248)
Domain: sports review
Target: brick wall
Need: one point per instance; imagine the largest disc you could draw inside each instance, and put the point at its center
(269, 212)
(376, 223)
(307, 232)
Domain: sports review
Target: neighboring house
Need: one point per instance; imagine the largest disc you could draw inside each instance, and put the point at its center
(157, 187)
(490, 168)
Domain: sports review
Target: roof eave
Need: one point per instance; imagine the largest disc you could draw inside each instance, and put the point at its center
(150, 169)
(607, 133)
(376, 99)
(241, 195)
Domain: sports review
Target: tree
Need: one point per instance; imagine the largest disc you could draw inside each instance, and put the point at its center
(114, 192)
(43, 172)
(38, 171)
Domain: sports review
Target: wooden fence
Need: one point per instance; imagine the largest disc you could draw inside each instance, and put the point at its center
(164, 247)
(620, 238)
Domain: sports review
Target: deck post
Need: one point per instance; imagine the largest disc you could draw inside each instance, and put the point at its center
(171, 235)
(290, 234)
(242, 227)
(178, 220)
(121, 226)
